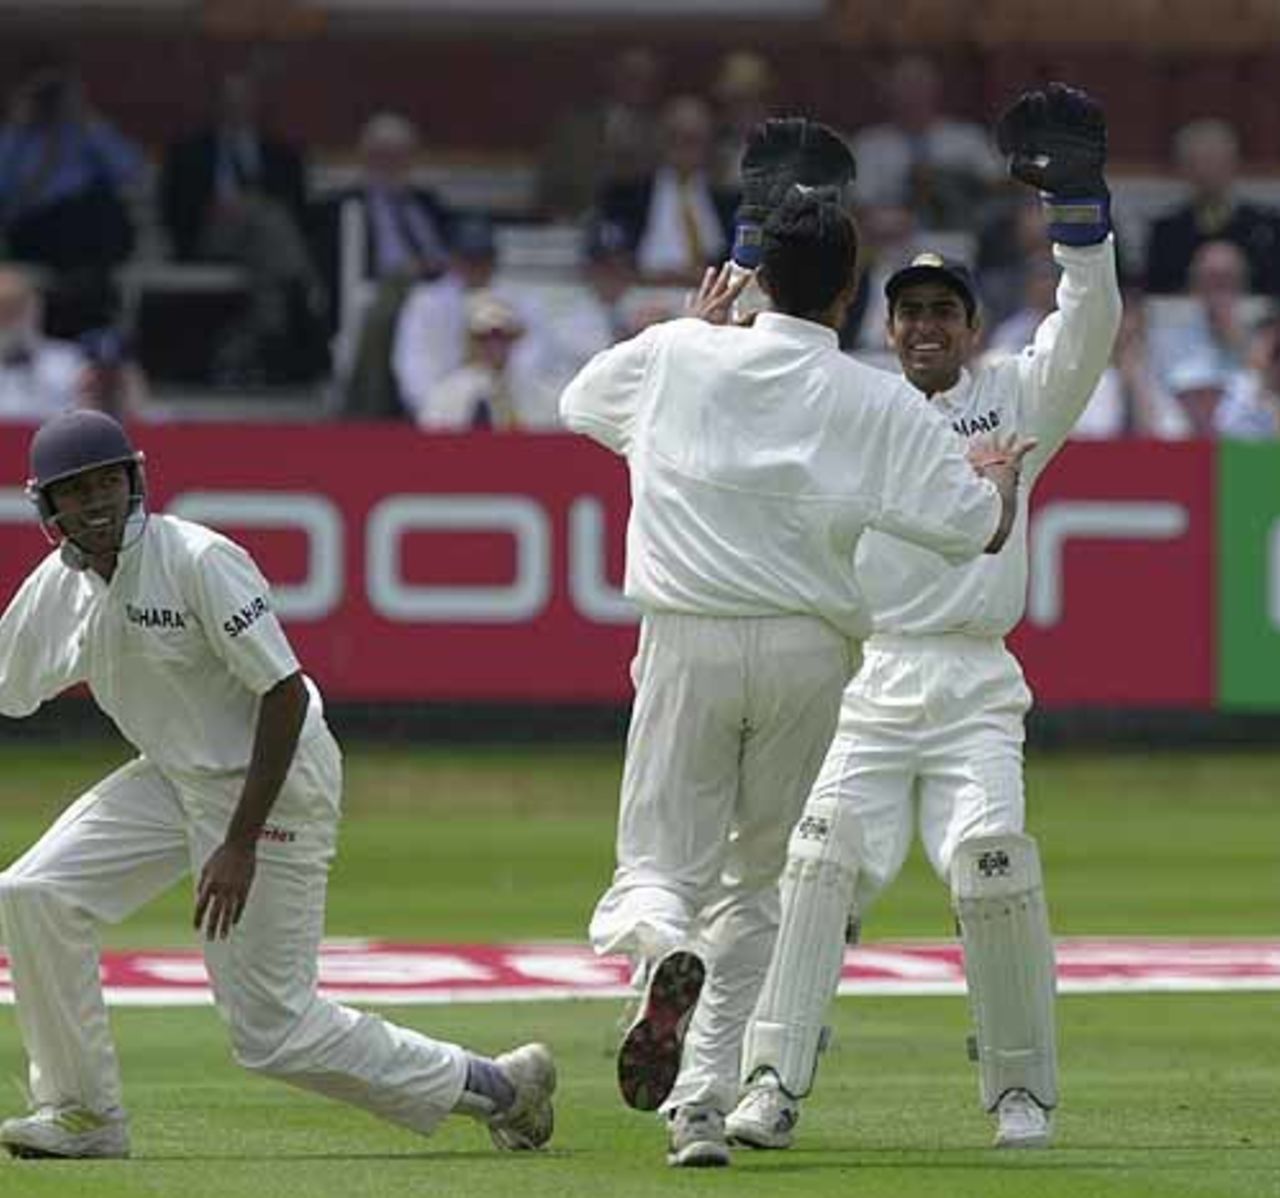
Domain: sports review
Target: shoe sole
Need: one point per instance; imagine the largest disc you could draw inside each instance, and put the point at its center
(27, 1152)
(1022, 1142)
(649, 1056)
(738, 1140)
(699, 1156)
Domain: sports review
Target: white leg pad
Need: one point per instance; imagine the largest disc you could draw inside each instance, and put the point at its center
(998, 892)
(786, 1030)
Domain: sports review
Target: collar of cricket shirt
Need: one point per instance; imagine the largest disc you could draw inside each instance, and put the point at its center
(797, 328)
(957, 396)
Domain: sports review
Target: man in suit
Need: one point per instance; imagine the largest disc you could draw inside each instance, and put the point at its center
(604, 140)
(384, 226)
(677, 219)
(210, 176)
(1208, 157)
(374, 241)
(230, 193)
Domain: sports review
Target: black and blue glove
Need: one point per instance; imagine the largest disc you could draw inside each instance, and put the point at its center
(1056, 140)
(780, 153)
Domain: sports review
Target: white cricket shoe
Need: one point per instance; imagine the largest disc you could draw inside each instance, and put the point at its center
(649, 1055)
(766, 1115)
(529, 1121)
(1021, 1122)
(67, 1131)
(695, 1138)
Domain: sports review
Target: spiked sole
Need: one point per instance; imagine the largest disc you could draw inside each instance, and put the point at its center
(649, 1056)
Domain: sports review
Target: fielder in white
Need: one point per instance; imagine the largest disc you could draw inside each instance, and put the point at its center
(758, 457)
(934, 720)
(237, 781)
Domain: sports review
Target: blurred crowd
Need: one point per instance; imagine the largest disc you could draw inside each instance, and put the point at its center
(396, 305)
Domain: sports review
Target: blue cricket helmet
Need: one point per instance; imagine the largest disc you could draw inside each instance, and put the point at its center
(73, 442)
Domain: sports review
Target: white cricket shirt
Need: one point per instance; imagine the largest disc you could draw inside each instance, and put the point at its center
(176, 649)
(758, 456)
(1037, 393)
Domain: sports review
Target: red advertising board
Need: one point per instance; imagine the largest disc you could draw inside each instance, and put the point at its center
(1122, 578)
(406, 567)
(488, 568)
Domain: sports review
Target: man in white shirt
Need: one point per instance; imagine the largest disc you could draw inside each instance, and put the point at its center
(938, 167)
(758, 458)
(238, 781)
(677, 218)
(936, 712)
(39, 376)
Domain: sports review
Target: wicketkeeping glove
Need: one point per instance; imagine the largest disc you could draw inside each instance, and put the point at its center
(1056, 140)
(780, 153)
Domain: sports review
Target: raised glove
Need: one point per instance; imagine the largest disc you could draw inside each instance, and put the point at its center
(1056, 140)
(779, 154)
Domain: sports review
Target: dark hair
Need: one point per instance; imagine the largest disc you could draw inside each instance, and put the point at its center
(809, 251)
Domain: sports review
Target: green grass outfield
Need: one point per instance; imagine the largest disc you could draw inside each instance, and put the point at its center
(1164, 1095)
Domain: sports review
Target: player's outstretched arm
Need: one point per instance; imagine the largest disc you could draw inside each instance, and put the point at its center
(1055, 140)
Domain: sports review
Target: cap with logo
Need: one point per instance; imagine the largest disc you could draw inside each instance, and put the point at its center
(934, 268)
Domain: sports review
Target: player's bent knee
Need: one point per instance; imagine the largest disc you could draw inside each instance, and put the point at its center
(19, 891)
(272, 1044)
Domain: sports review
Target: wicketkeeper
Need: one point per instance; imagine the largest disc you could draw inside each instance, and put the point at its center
(931, 728)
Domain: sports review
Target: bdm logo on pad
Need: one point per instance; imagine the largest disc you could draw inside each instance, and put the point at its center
(994, 864)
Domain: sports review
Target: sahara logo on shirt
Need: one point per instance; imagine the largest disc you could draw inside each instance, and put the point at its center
(246, 617)
(154, 617)
(967, 426)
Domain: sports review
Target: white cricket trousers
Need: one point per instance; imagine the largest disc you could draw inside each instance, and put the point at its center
(935, 722)
(132, 836)
(731, 719)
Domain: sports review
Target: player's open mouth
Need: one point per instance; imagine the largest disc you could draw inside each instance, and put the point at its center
(98, 531)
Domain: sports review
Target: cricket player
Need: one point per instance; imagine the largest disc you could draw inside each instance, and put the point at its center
(758, 457)
(934, 720)
(237, 780)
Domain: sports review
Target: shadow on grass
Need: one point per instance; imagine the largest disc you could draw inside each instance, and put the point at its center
(1074, 1158)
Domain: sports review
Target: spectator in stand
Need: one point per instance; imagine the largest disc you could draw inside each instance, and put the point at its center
(676, 217)
(599, 144)
(940, 168)
(233, 193)
(63, 174)
(486, 390)
(1198, 385)
(432, 337)
(1011, 240)
(39, 376)
(62, 171)
(1207, 155)
(375, 241)
(1130, 399)
(1039, 288)
(743, 90)
(1250, 409)
(600, 314)
(1212, 332)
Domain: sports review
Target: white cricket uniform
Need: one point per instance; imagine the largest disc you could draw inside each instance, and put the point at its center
(757, 458)
(178, 649)
(936, 713)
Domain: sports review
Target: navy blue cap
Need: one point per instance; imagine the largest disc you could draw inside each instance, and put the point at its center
(934, 268)
(473, 237)
(74, 442)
